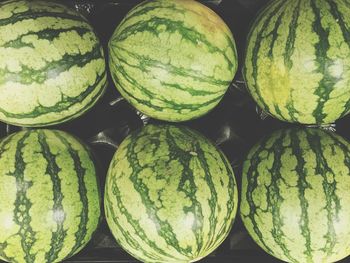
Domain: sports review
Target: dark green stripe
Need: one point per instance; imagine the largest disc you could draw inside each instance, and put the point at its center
(144, 8)
(274, 34)
(62, 105)
(278, 111)
(179, 107)
(52, 69)
(135, 225)
(231, 191)
(30, 14)
(339, 17)
(302, 186)
(4, 148)
(169, 104)
(118, 70)
(124, 92)
(232, 45)
(145, 63)
(4, 143)
(8, 2)
(52, 169)
(274, 198)
(213, 241)
(327, 83)
(292, 111)
(165, 230)
(80, 173)
(189, 90)
(332, 205)
(79, 113)
(48, 34)
(188, 34)
(344, 147)
(22, 205)
(251, 177)
(116, 66)
(188, 187)
(289, 51)
(213, 200)
(346, 109)
(256, 49)
(290, 44)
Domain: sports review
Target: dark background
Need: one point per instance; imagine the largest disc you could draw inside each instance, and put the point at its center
(234, 125)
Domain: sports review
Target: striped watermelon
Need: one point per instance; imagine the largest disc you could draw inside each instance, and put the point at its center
(297, 60)
(52, 67)
(295, 195)
(170, 195)
(173, 60)
(49, 196)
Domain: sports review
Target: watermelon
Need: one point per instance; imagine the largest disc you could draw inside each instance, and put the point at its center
(52, 66)
(295, 199)
(296, 60)
(49, 196)
(170, 195)
(172, 60)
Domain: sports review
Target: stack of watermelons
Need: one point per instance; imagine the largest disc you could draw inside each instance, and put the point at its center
(52, 70)
(170, 194)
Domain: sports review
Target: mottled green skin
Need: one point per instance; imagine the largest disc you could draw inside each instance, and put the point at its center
(49, 196)
(172, 59)
(170, 195)
(295, 195)
(297, 60)
(52, 67)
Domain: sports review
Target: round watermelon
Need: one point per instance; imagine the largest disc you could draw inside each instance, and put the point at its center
(170, 195)
(296, 60)
(172, 60)
(52, 67)
(295, 199)
(49, 196)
